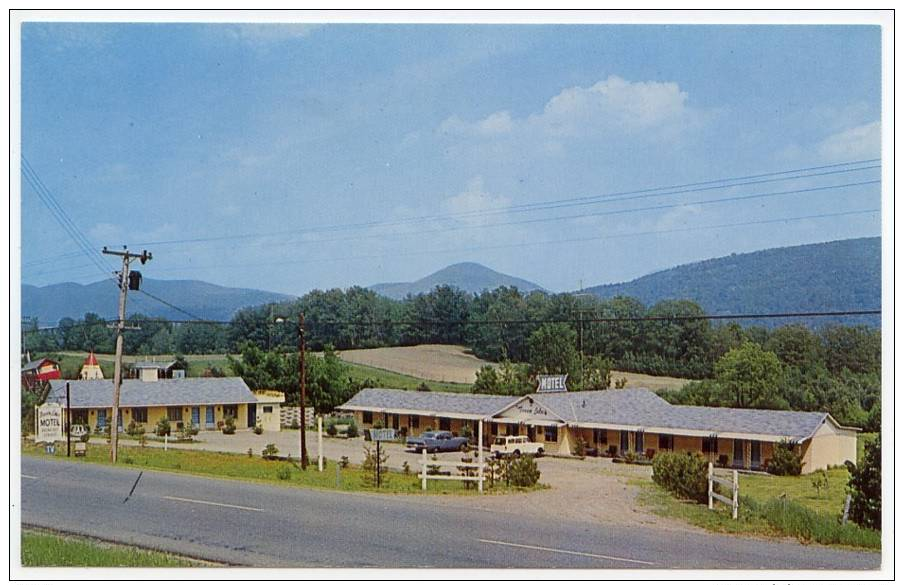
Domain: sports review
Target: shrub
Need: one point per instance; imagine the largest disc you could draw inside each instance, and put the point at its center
(250, 452)
(523, 472)
(128, 460)
(163, 427)
(423, 387)
(784, 460)
(352, 430)
(134, 429)
(193, 429)
(229, 426)
(629, 457)
(683, 474)
(465, 431)
(865, 486)
(378, 424)
(820, 481)
(579, 447)
(269, 451)
(343, 461)
(284, 472)
(406, 468)
(796, 520)
(331, 429)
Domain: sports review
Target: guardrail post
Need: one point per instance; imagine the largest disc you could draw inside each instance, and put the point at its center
(709, 478)
(734, 494)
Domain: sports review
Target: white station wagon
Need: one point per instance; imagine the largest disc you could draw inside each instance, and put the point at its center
(515, 446)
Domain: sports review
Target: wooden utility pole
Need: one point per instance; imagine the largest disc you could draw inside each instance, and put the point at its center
(301, 396)
(127, 258)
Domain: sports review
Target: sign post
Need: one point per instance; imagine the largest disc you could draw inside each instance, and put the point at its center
(378, 435)
(319, 443)
(68, 424)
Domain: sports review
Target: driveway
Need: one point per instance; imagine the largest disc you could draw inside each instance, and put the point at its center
(593, 489)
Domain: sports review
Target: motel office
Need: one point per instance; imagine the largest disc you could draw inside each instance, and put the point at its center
(633, 420)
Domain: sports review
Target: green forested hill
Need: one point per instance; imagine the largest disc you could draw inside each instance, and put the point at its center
(831, 276)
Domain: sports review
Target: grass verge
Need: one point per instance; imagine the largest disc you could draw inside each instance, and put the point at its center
(45, 549)
(767, 513)
(255, 468)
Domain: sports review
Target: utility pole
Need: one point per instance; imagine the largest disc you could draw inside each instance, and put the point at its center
(124, 284)
(301, 396)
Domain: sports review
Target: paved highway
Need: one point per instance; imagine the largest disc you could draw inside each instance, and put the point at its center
(261, 525)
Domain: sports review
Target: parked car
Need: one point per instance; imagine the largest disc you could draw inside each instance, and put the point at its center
(516, 446)
(435, 441)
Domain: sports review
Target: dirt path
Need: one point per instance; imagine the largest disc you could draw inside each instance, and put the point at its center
(441, 363)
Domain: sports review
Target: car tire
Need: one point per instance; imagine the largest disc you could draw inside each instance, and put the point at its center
(540, 452)
(516, 453)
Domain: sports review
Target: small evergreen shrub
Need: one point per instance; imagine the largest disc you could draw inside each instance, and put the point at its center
(343, 461)
(331, 429)
(523, 472)
(284, 472)
(229, 426)
(352, 431)
(865, 486)
(163, 427)
(269, 451)
(683, 474)
(134, 429)
(784, 460)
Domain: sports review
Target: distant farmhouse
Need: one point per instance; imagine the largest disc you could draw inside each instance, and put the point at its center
(616, 421)
(150, 371)
(38, 371)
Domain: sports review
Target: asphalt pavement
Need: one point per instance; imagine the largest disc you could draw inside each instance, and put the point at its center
(252, 524)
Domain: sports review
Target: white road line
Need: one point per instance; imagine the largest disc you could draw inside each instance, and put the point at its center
(29, 476)
(212, 503)
(564, 552)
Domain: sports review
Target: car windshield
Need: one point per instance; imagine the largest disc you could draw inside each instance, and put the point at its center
(499, 441)
(429, 435)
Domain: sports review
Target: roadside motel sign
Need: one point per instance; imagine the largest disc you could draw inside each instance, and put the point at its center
(554, 383)
(50, 423)
(382, 435)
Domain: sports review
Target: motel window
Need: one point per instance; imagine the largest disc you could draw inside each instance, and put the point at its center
(268, 409)
(230, 410)
(511, 429)
(140, 415)
(551, 434)
(494, 429)
(174, 412)
(414, 421)
(79, 416)
(638, 441)
(599, 436)
(709, 444)
(395, 421)
(367, 417)
(445, 424)
(666, 442)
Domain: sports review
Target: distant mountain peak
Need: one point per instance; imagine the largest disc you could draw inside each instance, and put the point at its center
(470, 277)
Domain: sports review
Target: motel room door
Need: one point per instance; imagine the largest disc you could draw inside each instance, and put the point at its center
(196, 416)
(210, 422)
(252, 415)
(738, 459)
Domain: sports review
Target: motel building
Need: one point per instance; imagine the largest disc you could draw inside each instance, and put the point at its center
(203, 402)
(615, 421)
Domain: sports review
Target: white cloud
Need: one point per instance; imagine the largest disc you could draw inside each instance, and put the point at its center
(265, 33)
(611, 105)
(473, 200)
(859, 142)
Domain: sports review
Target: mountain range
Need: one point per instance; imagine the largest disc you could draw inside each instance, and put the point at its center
(830, 276)
(467, 276)
(208, 301)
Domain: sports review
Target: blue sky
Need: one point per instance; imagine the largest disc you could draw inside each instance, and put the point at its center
(314, 156)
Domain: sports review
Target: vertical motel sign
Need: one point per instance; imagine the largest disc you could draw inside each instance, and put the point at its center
(50, 423)
(554, 383)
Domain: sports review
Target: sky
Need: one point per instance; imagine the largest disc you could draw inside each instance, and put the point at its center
(302, 156)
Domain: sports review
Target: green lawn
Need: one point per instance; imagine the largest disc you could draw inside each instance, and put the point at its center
(799, 489)
(386, 379)
(42, 549)
(255, 468)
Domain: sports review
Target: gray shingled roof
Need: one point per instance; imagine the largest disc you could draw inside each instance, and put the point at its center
(465, 404)
(642, 408)
(176, 392)
(635, 407)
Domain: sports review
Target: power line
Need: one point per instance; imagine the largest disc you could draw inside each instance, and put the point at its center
(527, 207)
(535, 242)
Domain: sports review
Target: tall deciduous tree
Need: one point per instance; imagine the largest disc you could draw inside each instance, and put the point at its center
(749, 375)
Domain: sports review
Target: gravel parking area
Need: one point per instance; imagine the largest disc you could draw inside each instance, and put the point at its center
(592, 489)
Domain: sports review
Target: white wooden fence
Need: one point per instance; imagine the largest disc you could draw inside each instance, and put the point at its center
(479, 466)
(731, 483)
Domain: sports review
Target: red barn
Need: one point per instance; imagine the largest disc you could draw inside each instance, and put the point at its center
(40, 370)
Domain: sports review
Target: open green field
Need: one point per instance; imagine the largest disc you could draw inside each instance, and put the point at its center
(44, 549)
(255, 468)
(386, 379)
